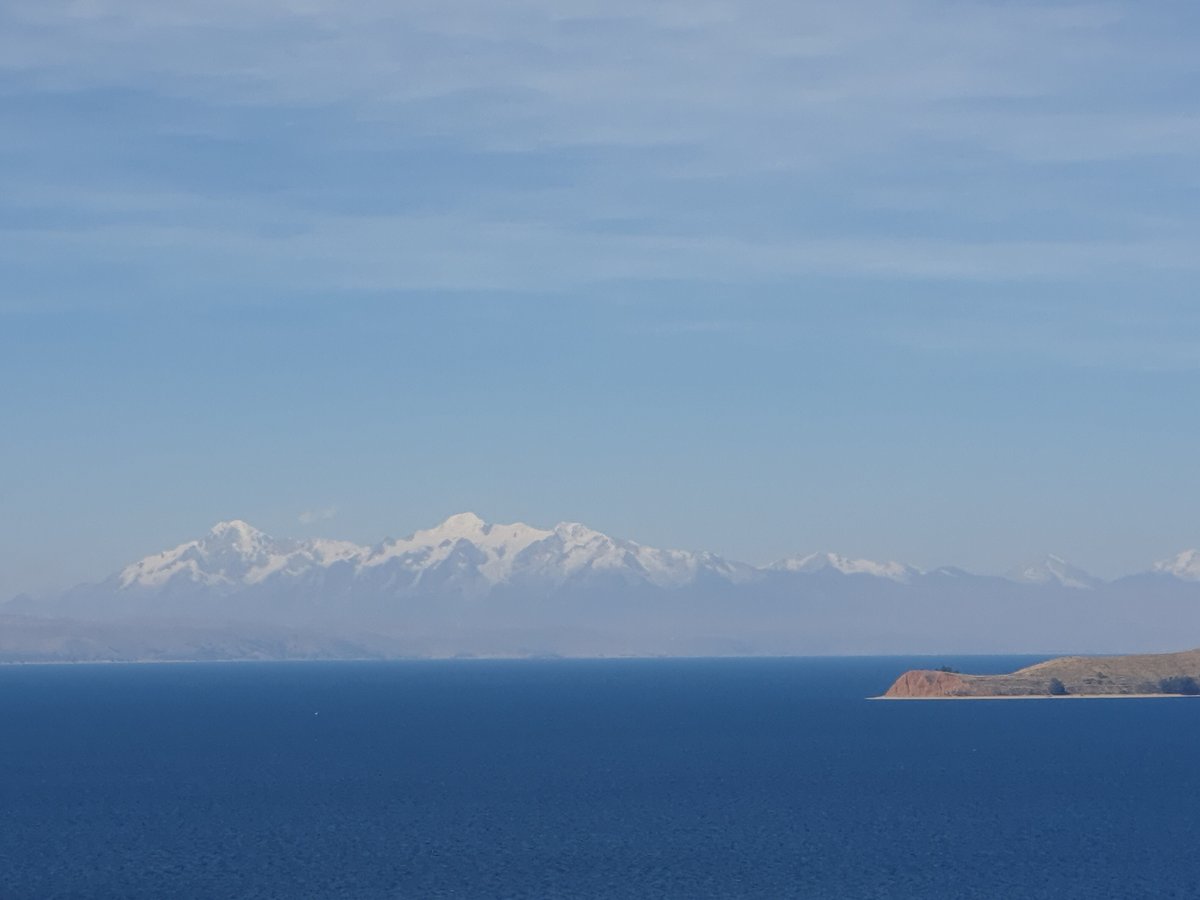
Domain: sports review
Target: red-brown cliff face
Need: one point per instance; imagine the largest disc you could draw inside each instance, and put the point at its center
(924, 683)
(1086, 676)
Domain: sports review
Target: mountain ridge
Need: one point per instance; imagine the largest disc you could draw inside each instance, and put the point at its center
(578, 547)
(469, 586)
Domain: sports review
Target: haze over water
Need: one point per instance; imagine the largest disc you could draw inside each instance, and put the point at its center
(681, 778)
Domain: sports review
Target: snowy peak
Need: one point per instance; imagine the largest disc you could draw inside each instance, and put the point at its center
(469, 527)
(465, 525)
(469, 556)
(576, 533)
(1053, 570)
(237, 540)
(579, 552)
(492, 549)
(833, 562)
(236, 531)
(326, 551)
(232, 554)
(463, 554)
(1185, 565)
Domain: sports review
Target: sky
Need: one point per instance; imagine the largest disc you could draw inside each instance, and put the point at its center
(899, 279)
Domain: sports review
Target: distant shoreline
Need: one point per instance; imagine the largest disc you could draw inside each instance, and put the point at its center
(1037, 697)
(465, 659)
(505, 657)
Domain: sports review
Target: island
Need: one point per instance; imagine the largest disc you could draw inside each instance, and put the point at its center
(1141, 675)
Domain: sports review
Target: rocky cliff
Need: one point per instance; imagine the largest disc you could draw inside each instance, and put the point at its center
(1156, 673)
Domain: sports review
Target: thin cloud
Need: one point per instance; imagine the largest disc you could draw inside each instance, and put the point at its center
(474, 146)
(312, 516)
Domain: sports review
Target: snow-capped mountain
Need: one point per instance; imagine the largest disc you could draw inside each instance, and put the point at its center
(1185, 565)
(463, 554)
(1053, 569)
(824, 562)
(466, 556)
(502, 554)
(468, 586)
(235, 554)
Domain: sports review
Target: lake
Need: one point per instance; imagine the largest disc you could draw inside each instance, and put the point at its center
(606, 778)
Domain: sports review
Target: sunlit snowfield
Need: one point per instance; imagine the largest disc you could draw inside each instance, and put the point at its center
(718, 778)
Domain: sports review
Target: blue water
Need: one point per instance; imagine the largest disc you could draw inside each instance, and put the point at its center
(689, 779)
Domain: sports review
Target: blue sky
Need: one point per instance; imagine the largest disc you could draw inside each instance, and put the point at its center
(900, 279)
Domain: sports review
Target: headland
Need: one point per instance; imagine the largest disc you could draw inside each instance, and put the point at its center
(1139, 675)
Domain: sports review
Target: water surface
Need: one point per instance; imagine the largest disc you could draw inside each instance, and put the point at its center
(664, 778)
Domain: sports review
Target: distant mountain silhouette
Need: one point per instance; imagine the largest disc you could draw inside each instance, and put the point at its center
(470, 587)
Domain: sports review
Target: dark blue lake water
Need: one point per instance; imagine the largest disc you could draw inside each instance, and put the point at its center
(689, 779)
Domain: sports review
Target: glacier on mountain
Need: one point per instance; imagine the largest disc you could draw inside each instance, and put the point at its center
(235, 553)
(1185, 565)
(1053, 569)
(463, 551)
(819, 562)
(468, 555)
(469, 586)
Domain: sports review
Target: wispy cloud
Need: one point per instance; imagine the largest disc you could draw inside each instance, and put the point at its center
(312, 516)
(480, 146)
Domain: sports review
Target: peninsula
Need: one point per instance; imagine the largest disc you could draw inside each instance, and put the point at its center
(1155, 674)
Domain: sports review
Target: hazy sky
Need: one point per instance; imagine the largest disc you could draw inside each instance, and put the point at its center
(900, 279)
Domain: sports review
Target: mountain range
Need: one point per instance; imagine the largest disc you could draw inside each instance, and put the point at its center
(467, 587)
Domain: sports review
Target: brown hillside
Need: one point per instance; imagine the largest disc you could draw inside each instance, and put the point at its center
(1154, 673)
